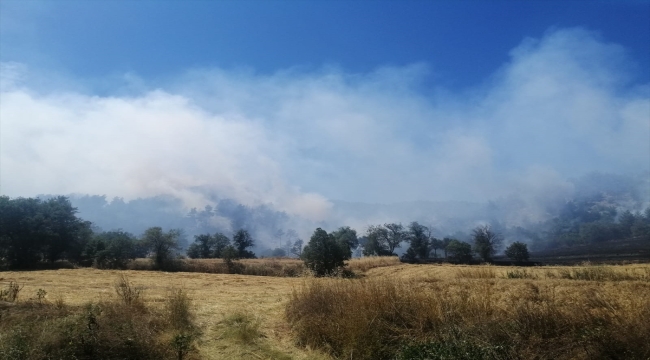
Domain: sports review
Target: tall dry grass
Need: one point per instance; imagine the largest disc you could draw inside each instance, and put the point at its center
(124, 328)
(485, 318)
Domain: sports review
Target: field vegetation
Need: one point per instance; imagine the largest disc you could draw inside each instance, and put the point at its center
(390, 310)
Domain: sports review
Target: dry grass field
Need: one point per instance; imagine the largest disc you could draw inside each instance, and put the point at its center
(246, 317)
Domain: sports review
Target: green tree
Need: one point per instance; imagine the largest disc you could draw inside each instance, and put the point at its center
(418, 237)
(221, 241)
(486, 242)
(396, 235)
(202, 247)
(459, 251)
(33, 230)
(323, 254)
(347, 239)
(118, 249)
(376, 241)
(626, 221)
(518, 251)
(242, 240)
(445, 243)
(296, 249)
(162, 246)
(435, 245)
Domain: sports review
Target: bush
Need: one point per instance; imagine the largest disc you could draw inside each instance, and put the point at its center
(10, 293)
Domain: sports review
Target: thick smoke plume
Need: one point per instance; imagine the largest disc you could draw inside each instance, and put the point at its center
(302, 141)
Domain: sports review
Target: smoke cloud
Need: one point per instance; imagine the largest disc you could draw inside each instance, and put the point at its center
(563, 105)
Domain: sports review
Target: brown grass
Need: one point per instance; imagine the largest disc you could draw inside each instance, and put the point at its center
(122, 328)
(588, 315)
(361, 265)
(213, 298)
(477, 314)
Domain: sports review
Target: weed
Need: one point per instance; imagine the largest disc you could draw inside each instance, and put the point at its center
(40, 296)
(129, 293)
(10, 294)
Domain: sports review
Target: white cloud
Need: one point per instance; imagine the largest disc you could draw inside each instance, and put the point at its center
(296, 139)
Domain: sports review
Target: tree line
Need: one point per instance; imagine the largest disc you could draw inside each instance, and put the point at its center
(36, 231)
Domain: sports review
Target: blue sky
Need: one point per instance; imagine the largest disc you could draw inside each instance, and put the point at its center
(297, 103)
(463, 41)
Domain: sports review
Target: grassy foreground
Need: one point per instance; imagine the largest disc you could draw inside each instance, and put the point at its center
(392, 310)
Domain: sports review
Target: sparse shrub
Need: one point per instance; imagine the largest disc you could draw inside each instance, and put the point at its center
(40, 296)
(10, 293)
(178, 306)
(128, 293)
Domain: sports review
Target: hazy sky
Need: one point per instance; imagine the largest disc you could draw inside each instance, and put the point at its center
(296, 103)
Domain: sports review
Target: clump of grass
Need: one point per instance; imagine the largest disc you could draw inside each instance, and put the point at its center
(10, 292)
(242, 327)
(385, 319)
(520, 274)
(478, 272)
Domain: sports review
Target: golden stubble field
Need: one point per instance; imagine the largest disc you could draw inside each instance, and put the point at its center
(217, 296)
